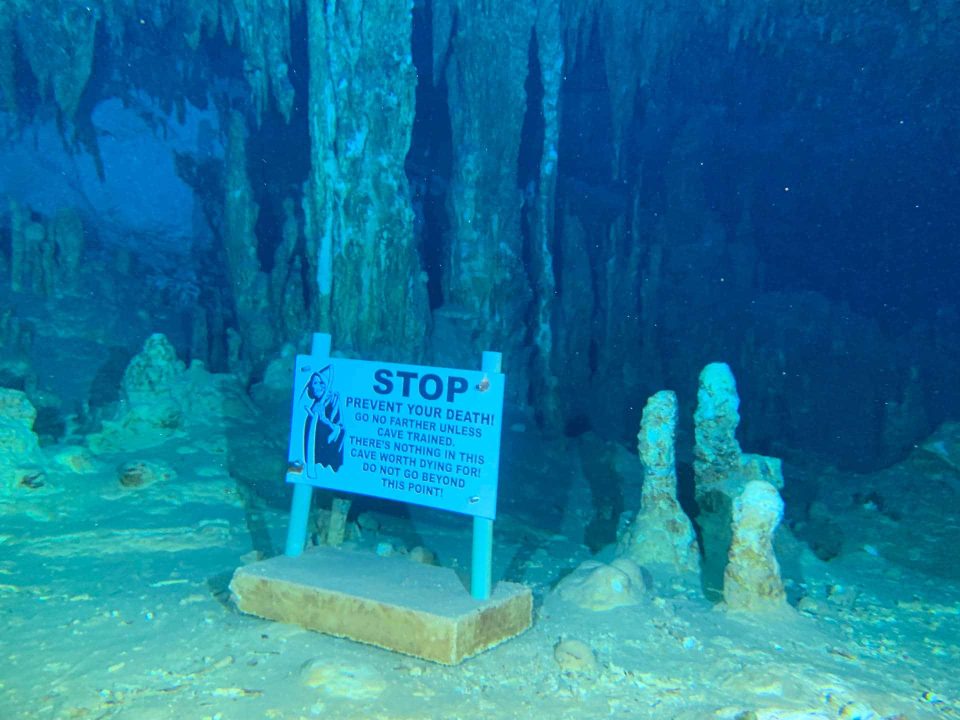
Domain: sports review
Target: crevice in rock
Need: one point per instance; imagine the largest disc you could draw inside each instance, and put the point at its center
(428, 162)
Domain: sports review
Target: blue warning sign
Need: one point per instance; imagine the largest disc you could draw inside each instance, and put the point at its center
(412, 433)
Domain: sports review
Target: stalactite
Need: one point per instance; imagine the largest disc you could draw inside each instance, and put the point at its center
(542, 226)
(573, 320)
(649, 309)
(443, 13)
(263, 28)
(287, 297)
(8, 90)
(626, 54)
(617, 329)
(577, 16)
(58, 41)
(687, 210)
(200, 18)
(248, 282)
(58, 44)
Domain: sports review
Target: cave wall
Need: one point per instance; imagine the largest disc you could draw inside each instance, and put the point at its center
(618, 192)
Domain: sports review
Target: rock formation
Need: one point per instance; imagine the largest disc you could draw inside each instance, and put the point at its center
(596, 586)
(21, 462)
(721, 470)
(751, 581)
(661, 534)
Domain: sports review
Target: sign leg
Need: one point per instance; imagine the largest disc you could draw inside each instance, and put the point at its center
(299, 517)
(482, 558)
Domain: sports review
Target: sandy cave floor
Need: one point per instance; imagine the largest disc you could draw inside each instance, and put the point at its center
(114, 604)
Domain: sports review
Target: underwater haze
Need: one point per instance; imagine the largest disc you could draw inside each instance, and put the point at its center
(716, 243)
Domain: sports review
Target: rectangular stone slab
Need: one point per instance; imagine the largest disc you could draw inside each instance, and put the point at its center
(392, 602)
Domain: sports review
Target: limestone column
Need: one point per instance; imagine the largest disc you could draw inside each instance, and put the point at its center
(370, 290)
(661, 534)
(485, 275)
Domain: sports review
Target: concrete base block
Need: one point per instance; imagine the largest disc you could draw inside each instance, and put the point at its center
(392, 602)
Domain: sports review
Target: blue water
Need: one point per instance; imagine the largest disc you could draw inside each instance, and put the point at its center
(611, 194)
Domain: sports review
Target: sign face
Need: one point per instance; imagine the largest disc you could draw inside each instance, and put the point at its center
(411, 433)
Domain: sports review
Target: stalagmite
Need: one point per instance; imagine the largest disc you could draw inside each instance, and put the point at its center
(19, 259)
(721, 470)
(661, 534)
(199, 335)
(337, 526)
(45, 278)
(751, 579)
(21, 459)
(66, 236)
